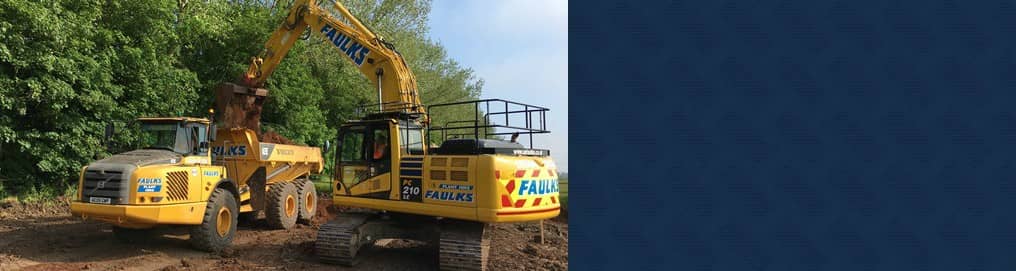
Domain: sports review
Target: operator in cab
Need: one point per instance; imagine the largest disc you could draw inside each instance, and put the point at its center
(381, 153)
(380, 148)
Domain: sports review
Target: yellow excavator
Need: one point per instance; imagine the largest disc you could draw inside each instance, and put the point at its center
(404, 187)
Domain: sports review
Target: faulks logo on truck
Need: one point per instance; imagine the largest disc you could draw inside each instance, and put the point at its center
(538, 187)
(449, 196)
(356, 51)
(149, 185)
(231, 151)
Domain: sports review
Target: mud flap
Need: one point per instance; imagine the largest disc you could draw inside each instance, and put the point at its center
(257, 189)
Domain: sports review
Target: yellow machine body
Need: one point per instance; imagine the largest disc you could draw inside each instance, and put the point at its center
(477, 187)
(148, 187)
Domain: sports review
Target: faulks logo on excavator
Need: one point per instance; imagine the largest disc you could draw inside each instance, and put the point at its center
(538, 187)
(356, 51)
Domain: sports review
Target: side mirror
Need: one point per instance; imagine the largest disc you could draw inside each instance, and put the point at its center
(211, 133)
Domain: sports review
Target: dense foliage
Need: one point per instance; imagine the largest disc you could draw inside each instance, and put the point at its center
(69, 67)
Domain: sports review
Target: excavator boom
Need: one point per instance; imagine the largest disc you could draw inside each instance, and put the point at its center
(240, 105)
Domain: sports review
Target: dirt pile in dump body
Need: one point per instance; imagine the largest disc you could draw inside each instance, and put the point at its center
(272, 137)
(44, 236)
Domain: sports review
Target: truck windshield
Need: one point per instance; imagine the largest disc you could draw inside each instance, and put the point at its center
(159, 136)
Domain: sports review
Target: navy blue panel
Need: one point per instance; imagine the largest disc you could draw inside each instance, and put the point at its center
(410, 172)
(413, 165)
(792, 135)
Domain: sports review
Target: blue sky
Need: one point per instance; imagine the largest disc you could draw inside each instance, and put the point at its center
(520, 49)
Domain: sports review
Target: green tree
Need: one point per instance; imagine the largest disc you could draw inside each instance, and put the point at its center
(68, 67)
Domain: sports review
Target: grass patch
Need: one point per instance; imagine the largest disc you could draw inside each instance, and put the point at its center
(43, 194)
(46, 194)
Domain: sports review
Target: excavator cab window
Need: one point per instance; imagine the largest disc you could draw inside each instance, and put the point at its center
(351, 161)
(411, 139)
(352, 145)
(365, 152)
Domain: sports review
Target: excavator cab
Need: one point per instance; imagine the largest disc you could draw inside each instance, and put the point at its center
(364, 159)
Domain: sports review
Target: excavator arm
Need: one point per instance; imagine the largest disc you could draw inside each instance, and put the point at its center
(376, 59)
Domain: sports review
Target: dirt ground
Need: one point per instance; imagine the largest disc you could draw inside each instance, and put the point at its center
(46, 237)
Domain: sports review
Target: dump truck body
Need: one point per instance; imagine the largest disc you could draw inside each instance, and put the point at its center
(258, 164)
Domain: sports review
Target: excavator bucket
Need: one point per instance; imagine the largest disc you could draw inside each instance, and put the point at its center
(239, 106)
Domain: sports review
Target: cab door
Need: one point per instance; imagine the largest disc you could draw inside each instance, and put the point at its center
(364, 161)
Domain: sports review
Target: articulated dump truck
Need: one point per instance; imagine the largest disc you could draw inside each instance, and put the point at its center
(188, 173)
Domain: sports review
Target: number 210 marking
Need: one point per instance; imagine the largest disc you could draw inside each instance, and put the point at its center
(409, 191)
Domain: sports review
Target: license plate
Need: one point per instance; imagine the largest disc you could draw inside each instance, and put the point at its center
(99, 200)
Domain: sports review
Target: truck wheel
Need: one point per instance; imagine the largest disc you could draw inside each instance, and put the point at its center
(219, 225)
(283, 206)
(131, 236)
(308, 201)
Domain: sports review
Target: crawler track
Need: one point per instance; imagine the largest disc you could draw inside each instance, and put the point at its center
(464, 246)
(338, 240)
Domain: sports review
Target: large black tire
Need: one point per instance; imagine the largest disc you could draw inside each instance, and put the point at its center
(216, 233)
(308, 200)
(131, 236)
(283, 206)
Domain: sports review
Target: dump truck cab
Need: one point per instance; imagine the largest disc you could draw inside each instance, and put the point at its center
(188, 137)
